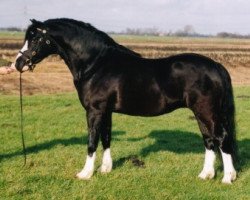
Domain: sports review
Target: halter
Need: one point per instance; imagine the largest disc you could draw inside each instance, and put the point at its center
(34, 52)
(31, 67)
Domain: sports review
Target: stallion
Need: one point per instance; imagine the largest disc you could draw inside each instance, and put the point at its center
(112, 78)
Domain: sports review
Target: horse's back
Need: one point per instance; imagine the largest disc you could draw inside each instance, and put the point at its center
(177, 81)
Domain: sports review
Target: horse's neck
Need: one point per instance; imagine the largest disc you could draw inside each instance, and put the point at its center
(77, 60)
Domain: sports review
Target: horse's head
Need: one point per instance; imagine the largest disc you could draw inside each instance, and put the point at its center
(38, 44)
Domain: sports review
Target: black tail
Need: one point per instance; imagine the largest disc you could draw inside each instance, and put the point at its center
(228, 109)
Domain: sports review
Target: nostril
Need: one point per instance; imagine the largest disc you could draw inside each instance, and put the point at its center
(19, 64)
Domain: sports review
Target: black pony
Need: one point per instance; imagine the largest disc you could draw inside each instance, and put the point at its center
(111, 78)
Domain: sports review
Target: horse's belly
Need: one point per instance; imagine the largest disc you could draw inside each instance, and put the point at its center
(141, 104)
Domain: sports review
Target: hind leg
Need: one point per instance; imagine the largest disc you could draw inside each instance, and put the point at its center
(215, 135)
(106, 166)
(203, 109)
(208, 171)
(206, 110)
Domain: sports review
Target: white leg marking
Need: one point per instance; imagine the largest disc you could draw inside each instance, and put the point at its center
(229, 171)
(106, 162)
(88, 169)
(208, 169)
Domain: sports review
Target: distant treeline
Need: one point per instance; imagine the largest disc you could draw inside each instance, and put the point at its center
(187, 31)
(232, 35)
(12, 29)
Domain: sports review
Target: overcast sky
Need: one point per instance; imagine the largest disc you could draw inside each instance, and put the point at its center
(206, 16)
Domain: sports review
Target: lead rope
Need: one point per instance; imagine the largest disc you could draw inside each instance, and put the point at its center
(21, 117)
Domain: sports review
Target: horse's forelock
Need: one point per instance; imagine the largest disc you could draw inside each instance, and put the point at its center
(33, 29)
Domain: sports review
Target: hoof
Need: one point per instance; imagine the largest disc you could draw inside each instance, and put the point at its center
(84, 175)
(229, 177)
(206, 174)
(106, 168)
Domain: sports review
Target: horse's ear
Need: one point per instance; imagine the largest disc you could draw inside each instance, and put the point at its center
(35, 21)
(40, 25)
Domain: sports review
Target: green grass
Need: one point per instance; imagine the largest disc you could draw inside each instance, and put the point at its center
(4, 62)
(11, 35)
(170, 145)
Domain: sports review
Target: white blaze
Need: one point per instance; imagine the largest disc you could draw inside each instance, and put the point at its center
(24, 48)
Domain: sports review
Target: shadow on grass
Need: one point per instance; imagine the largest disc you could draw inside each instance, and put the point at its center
(182, 142)
(51, 144)
(45, 146)
(176, 141)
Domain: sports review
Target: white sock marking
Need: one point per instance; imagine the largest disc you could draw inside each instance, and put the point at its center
(208, 169)
(229, 171)
(106, 161)
(88, 169)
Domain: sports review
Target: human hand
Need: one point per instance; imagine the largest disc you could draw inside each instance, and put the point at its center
(6, 70)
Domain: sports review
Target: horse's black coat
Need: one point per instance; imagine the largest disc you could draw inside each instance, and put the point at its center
(111, 78)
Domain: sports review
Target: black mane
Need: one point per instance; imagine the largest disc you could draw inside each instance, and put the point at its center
(81, 29)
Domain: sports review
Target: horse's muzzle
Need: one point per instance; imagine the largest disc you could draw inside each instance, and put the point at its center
(21, 64)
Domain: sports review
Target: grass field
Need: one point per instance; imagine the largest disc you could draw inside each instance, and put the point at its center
(170, 145)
